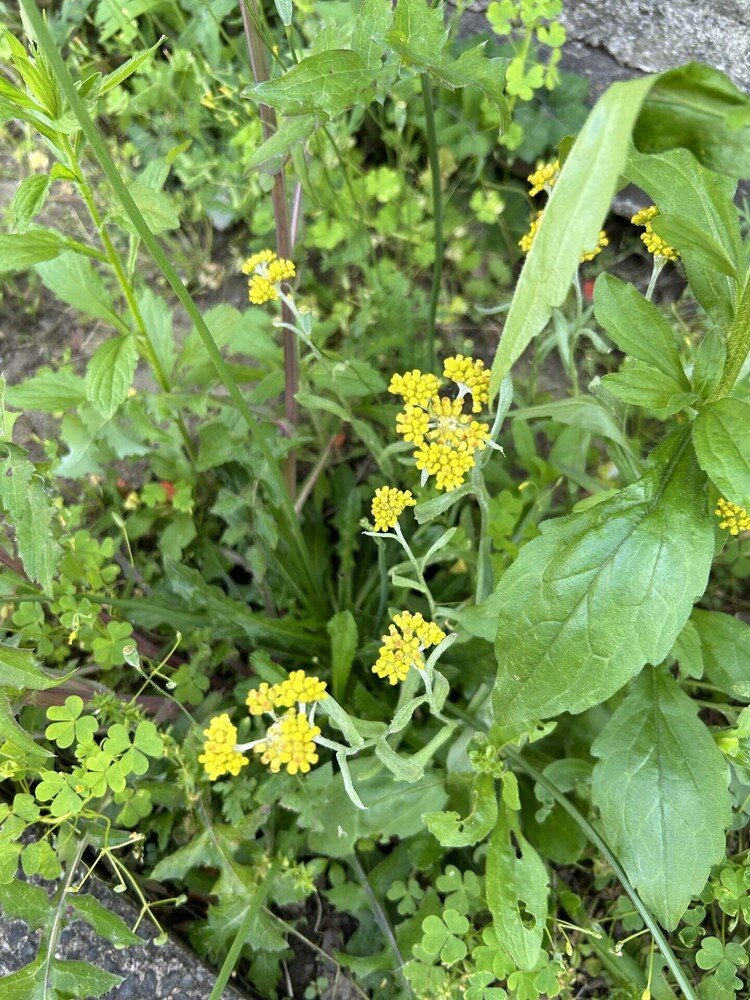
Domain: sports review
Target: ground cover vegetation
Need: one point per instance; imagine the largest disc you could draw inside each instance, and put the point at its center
(375, 536)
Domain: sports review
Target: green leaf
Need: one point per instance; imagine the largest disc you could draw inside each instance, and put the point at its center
(327, 83)
(31, 514)
(585, 412)
(130, 66)
(725, 648)
(637, 327)
(473, 68)
(697, 108)
(419, 32)
(155, 207)
(642, 385)
(48, 392)
(28, 201)
(342, 629)
(288, 135)
(688, 237)
(22, 901)
(709, 364)
(603, 591)
(374, 18)
(20, 251)
(661, 788)
(721, 435)
(572, 219)
(107, 924)
(110, 372)
(679, 185)
(454, 831)
(73, 280)
(430, 509)
(516, 891)
(157, 318)
(11, 732)
(19, 670)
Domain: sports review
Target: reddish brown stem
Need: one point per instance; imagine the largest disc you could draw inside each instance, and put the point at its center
(259, 64)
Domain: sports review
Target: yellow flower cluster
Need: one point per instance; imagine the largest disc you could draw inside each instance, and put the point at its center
(544, 177)
(527, 240)
(733, 517)
(388, 505)
(653, 243)
(471, 376)
(289, 743)
(267, 272)
(402, 648)
(446, 439)
(219, 754)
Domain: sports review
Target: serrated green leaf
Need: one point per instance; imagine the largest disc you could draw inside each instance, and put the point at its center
(20, 251)
(419, 32)
(602, 592)
(721, 435)
(374, 18)
(661, 788)
(288, 135)
(30, 511)
(73, 279)
(130, 66)
(516, 891)
(110, 372)
(48, 392)
(20, 670)
(28, 200)
(107, 924)
(22, 901)
(327, 83)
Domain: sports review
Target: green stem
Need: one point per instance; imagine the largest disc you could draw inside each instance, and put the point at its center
(598, 841)
(437, 211)
(89, 129)
(415, 566)
(485, 582)
(656, 270)
(233, 955)
(738, 343)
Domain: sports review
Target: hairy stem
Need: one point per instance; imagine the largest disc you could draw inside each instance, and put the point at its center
(437, 212)
(738, 343)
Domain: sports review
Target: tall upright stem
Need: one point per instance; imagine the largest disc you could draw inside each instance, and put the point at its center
(259, 64)
(437, 214)
(738, 344)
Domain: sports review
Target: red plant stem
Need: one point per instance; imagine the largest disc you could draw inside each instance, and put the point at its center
(284, 246)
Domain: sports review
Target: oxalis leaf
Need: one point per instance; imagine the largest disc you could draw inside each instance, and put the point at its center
(603, 591)
(661, 788)
(516, 891)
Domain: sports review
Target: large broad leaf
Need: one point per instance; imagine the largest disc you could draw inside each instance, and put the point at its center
(516, 891)
(19, 251)
(642, 385)
(721, 435)
(637, 327)
(57, 980)
(73, 279)
(661, 788)
(287, 136)
(725, 650)
(698, 108)
(48, 391)
(110, 373)
(680, 186)
(327, 83)
(585, 412)
(602, 592)
(19, 670)
(30, 513)
(572, 219)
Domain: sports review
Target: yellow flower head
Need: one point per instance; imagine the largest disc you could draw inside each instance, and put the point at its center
(281, 270)
(219, 755)
(289, 743)
(446, 464)
(262, 699)
(653, 243)
(471, 376)
(262, 257)
(544, 177)
(416, 388)
(733, 517)
(388, 505)
(527, 240)
(402, 647)
(261, 290)
(300, 688)
(413, 423)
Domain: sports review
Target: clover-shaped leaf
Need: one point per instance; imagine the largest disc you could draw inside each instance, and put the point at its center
(56, 789)
(724, 960)
(68, 726)
(440, 937)
(480, 989)
(147, 739)
(109, 650)
(136, 805)
(39, 858)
